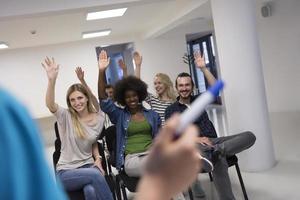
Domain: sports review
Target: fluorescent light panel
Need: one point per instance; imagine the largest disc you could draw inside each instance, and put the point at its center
(3, 46)
(95, 34)
(106, 14)
(104, 45)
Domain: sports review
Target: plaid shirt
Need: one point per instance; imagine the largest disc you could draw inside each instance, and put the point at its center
(206, 127)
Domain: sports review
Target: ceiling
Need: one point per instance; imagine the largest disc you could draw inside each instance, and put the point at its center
(40, 22)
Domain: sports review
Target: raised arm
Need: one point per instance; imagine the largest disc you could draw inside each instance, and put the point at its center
(200, 63)
(80, 75)
(138, 59)
(51, 69)
(123, 67)
(103, 63)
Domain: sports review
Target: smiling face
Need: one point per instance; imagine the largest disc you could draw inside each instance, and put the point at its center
(184, 87)
(131, 99)
(78, 101)
(159, 86)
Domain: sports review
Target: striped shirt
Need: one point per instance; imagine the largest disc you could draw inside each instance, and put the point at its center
(158, 105)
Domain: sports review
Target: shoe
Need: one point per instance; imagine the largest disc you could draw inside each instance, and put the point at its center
(207, 165)
(206, 155)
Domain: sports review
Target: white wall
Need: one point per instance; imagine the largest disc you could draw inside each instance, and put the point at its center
(280, 50)
(161, 55)
(22, 74)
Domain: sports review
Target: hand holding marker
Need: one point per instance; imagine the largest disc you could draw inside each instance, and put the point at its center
(197, 108)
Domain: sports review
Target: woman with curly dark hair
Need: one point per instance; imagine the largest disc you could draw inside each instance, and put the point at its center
(136, 126)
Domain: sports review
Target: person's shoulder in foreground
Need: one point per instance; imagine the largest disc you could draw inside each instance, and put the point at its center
(23, 166)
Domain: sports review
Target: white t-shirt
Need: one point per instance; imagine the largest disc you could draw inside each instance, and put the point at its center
(76, 151)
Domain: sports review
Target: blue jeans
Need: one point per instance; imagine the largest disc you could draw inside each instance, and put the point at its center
(89, 179)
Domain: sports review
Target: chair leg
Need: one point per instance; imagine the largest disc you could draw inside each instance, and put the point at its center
(124, 194)
(191, 193)
(113, 183)
(241, 181)
(118, 189)
(210, 177)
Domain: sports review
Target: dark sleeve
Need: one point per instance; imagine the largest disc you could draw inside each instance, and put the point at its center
(110, 109)
(168, 112)
(158, 121)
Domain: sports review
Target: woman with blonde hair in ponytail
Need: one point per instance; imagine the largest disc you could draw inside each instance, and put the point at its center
(79, 165)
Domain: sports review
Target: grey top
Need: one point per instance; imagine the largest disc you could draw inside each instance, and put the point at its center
(76, 151)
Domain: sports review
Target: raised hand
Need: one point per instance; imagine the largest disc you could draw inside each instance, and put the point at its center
(103, 61)
(80, 73)
(51, 68)
(122, 64)
(199, 60)
(137, 58)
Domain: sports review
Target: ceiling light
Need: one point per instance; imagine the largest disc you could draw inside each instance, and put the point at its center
(96, 34)
(3, 45)
(106, 14)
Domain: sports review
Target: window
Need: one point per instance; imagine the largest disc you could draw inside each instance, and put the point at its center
(205, 45)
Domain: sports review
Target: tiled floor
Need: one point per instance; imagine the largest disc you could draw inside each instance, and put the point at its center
(282, 182)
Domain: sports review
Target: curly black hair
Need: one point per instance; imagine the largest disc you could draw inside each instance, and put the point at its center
(130, 83)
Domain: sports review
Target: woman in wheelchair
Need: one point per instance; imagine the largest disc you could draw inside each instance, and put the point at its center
(79, 165)
(136, 126)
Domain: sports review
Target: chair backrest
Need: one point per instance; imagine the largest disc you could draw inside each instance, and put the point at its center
(57, 145)
(110, 138)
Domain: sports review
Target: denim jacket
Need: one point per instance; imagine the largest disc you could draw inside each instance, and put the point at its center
(121, 117)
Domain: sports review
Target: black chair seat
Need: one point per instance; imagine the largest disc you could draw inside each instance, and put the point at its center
(129, 182)
(232, 160)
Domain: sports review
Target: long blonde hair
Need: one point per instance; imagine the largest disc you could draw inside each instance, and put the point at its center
(165, 79)
(77, 125)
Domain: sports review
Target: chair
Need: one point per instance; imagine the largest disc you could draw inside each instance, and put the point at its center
(233, 161)
(110, 179)
(122, 180)
(79, 194)
(73, 195)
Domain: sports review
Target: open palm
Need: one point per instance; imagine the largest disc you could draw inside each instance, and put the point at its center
(103, 61)
(51, 68)
(137, 58)
(79, 73)
(199, 60)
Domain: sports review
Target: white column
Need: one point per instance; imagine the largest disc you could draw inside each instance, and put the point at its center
(241, 69)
